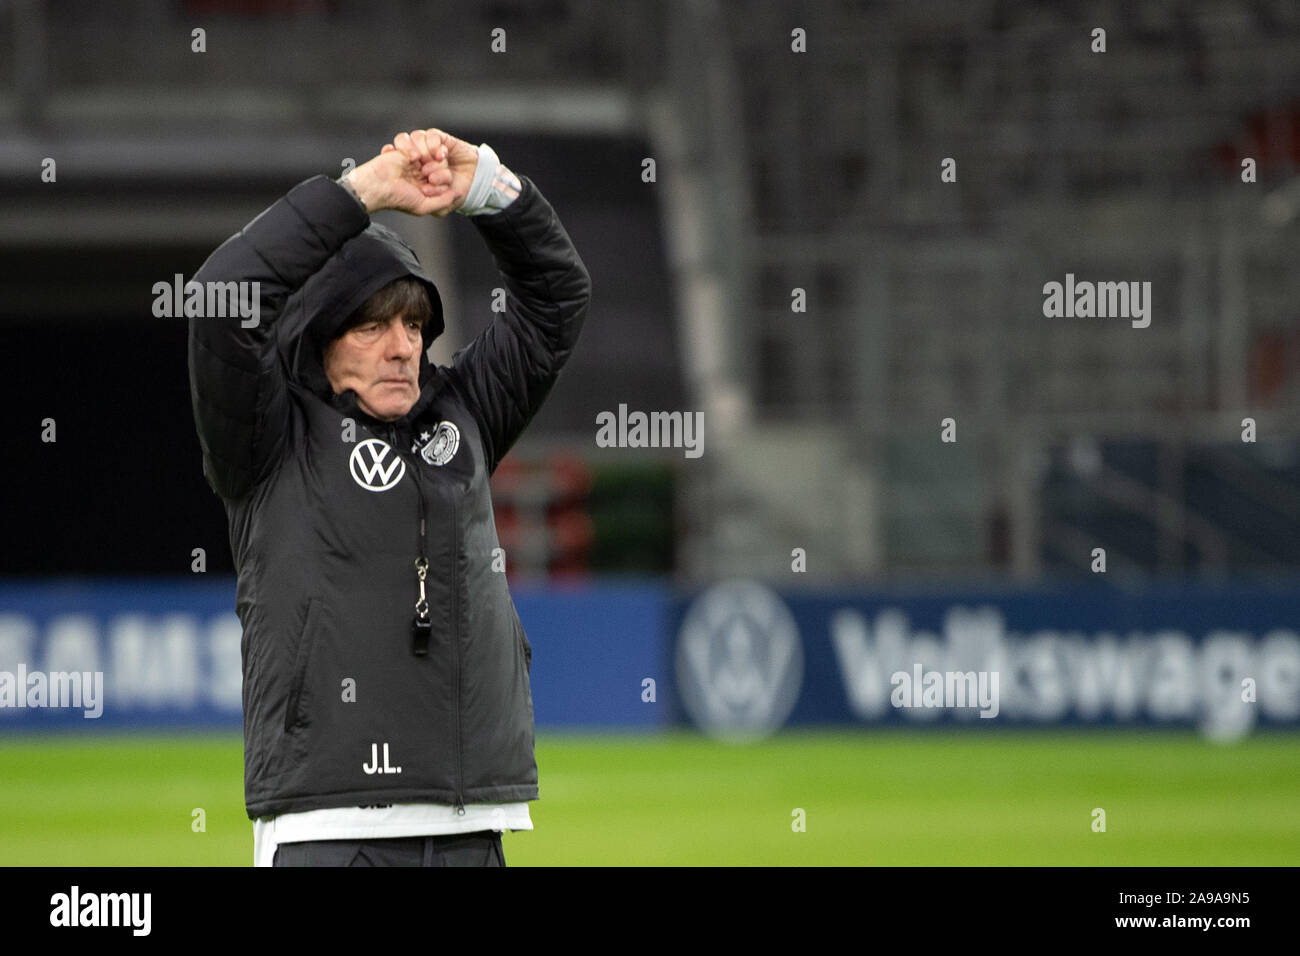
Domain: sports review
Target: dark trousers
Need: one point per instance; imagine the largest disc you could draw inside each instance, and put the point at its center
(460, 849)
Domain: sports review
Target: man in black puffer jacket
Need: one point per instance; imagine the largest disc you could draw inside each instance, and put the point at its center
(388, 718)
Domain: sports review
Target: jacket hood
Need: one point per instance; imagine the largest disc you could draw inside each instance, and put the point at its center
(314, 313)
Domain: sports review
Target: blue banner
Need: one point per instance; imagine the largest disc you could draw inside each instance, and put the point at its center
(148, 653)
(748, 659)
(739, 659)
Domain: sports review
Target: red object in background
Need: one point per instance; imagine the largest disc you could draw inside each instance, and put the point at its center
(571, 477)
(1270, 137)
(1273, 356)
(572, 535)
(541, 515)
(571, 528)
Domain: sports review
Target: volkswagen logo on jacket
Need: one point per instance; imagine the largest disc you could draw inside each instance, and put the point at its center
(375, 466)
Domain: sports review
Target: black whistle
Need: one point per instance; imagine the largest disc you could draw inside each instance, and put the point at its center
(420, 630)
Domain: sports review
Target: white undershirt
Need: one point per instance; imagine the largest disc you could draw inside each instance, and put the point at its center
(376, 823)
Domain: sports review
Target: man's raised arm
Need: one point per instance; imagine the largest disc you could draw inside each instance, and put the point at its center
(237, 388)
(507, 372)
(510, 368)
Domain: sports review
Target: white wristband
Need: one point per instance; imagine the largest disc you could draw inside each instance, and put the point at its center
(494, 187)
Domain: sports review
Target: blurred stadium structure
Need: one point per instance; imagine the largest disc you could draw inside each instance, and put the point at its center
(923, 301)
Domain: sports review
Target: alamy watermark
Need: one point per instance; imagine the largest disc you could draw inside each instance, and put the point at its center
(75, 908)
(208, 300)
(626, 429)
(84, 689)
(1102, 300)
(946, 689)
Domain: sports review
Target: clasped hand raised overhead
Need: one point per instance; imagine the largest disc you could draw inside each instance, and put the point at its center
(426, 172)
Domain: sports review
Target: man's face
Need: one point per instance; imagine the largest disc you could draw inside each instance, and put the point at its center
(380, 361)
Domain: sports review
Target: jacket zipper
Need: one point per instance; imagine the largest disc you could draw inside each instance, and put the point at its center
(422, 625)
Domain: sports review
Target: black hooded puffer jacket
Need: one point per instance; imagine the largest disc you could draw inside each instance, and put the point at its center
(326, 522)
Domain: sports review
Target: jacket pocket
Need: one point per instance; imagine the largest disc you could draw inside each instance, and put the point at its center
(306, 640)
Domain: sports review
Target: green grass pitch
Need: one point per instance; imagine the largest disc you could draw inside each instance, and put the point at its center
(871, 797)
